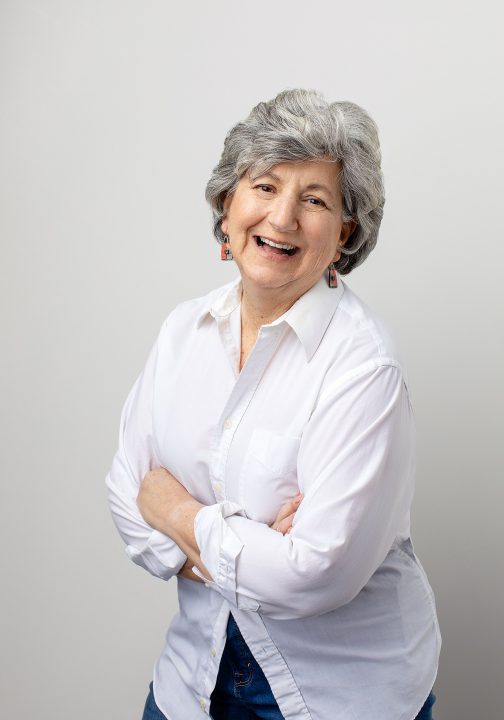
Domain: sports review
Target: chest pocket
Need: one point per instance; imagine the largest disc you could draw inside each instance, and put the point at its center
(269, 474)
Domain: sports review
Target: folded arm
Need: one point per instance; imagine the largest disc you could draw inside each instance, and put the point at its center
(355, 467)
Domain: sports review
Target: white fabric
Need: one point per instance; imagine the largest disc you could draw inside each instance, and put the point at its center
(338, 613)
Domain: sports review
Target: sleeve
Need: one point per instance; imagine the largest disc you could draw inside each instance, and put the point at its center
(150, 549)
(356, 469)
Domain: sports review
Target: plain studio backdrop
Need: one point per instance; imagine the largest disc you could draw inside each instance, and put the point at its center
(112, 115)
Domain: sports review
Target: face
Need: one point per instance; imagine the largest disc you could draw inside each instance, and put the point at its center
(297, 206)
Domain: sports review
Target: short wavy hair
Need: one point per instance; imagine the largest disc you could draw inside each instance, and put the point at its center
(300, 125)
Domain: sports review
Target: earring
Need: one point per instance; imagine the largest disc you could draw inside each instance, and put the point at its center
(225, 250)
(333, 276)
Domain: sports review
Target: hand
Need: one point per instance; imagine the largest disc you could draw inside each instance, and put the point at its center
(283, 521)
(187, 571)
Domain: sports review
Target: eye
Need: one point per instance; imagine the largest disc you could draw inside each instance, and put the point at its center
(317, 202)
(264, 188)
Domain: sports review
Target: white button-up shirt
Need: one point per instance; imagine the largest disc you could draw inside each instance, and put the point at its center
(338, 613)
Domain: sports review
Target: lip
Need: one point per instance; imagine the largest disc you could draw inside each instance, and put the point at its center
(268, 254)
(279, 242)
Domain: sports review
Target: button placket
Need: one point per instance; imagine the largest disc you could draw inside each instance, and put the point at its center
(239, 400)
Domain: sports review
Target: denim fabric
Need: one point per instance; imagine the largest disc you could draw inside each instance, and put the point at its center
(151, 710)
(242, 691)
(426, 711)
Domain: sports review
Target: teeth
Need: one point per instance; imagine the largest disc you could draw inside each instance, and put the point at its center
(277, 245)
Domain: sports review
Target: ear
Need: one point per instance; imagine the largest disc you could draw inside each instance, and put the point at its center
(225, 206)
(346, 232)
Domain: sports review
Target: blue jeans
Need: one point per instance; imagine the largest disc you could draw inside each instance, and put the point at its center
(242, 691)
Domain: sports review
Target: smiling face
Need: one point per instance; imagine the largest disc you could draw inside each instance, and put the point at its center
(297, 206)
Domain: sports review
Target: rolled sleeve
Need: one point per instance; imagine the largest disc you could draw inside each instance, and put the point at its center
(219, 549)
(160, 556)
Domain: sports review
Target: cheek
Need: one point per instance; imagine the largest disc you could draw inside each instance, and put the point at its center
(326, 241)
(247, 214)
(322, 243)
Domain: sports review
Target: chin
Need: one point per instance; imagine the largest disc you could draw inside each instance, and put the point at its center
(267, 279)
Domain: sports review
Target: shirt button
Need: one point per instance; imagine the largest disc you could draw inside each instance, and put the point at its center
(202, 704)
(214, 652)
(218, 487)
(228, 424)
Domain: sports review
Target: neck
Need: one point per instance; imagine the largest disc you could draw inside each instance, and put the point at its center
(264, 305)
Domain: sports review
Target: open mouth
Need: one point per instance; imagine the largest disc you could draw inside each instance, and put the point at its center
(279, 248)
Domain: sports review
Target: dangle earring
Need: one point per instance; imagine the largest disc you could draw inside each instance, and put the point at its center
(333, 276)
(225, 250)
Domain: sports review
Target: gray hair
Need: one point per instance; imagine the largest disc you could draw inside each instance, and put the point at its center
(300, 125)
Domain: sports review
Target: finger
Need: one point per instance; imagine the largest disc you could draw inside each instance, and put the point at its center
(289, 507)
(284, 525)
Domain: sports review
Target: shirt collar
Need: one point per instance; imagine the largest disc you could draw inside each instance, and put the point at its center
(221, 302)
(309, 317)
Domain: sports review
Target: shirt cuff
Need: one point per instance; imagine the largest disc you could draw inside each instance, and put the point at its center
(160, 555)
(219, 546)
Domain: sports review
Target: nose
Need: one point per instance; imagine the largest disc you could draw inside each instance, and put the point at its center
(283, 214)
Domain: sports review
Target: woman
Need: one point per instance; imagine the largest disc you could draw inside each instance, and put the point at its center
(266, 452)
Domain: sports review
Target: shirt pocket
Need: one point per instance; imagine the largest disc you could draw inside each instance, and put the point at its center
(269, 474)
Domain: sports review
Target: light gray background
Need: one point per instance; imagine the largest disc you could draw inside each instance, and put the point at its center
(112, 115)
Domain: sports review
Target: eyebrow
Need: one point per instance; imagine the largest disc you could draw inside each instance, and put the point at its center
(318, 186)
(311, 186)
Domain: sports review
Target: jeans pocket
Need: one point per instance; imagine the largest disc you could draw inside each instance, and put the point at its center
(241, 679)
